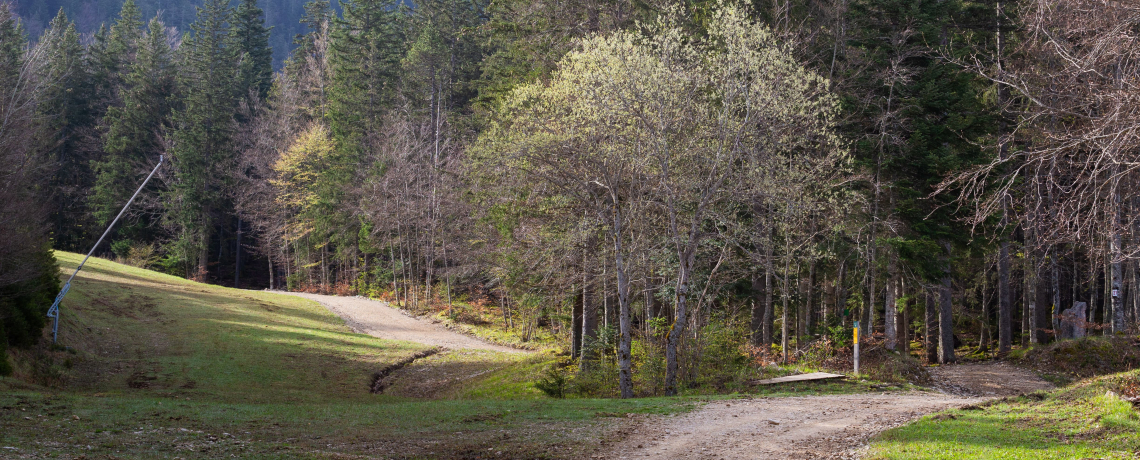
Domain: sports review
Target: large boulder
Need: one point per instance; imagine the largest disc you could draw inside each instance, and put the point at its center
(1073, 322)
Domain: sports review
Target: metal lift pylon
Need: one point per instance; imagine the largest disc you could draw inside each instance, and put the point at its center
(53, 312)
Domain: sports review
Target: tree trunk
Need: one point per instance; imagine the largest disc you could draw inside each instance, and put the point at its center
(237, 256)
(904, 322)
(808, 311)
(866, 326)
(1044, 297)
(945, 318)
(769, 308)
(890, 307)
(841, 291)
(1056, 290)
(269, 260)
(932, 338)
(1117, 255)
(589, 314)
(1094, 292)
(757, 313)
(1005, 309)
(684, 271)
(576, 326)
(1117, 286)
(625, 361)
(784, 297)
(1031, 285)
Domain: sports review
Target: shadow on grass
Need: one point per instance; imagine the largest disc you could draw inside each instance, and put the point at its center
(207, 344)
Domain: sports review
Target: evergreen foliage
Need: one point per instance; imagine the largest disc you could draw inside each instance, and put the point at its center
(256, 68)
(135, 130)
(203, 135)
(28, 77)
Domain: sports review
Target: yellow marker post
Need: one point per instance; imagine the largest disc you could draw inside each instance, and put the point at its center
(856, 348)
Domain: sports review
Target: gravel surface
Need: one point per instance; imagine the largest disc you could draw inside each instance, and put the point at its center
(375, 318)
(807, 427)
(811, 427)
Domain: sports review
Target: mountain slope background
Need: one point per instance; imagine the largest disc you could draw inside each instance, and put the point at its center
(282, 15)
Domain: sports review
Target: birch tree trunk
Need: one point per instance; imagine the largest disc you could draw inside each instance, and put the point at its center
(1117, 256)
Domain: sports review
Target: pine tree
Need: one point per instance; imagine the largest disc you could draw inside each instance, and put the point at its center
(134, 130)
(922, 118)
(252, 37)
(203, 132)
(28, 272)
(365, 57)
(65, 113)
(112, 52)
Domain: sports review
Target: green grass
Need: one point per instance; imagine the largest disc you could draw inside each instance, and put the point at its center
(1072, 423)
(144, 427)
(164, 335)
(161, 367)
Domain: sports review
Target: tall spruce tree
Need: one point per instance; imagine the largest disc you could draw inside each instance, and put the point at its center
(203, 135)
(923, 118)
(252, 37)
(28, 272)
(65, 115)
(134, 130)
(366, 48)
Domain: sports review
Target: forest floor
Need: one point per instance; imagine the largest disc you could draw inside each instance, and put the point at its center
(813, 427)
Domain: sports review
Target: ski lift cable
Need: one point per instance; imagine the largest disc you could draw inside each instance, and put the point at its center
(53, 312)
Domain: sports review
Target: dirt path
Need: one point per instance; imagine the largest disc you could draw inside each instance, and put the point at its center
(986, 379)
(377, 319)
(811, 427)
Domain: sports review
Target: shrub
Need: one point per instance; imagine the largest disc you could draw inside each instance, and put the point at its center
(555, 381)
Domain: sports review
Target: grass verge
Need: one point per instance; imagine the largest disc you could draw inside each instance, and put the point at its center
(1084, 420)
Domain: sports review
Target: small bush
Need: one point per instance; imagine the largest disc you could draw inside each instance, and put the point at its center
(555, 381)
(121, 248)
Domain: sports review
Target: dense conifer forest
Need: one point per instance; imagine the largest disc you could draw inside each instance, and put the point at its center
(650, 182)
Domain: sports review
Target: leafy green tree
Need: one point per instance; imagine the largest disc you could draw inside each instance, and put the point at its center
(658, 128)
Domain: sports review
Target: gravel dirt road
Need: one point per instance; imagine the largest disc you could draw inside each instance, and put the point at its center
(811, 427)
(375, 318)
